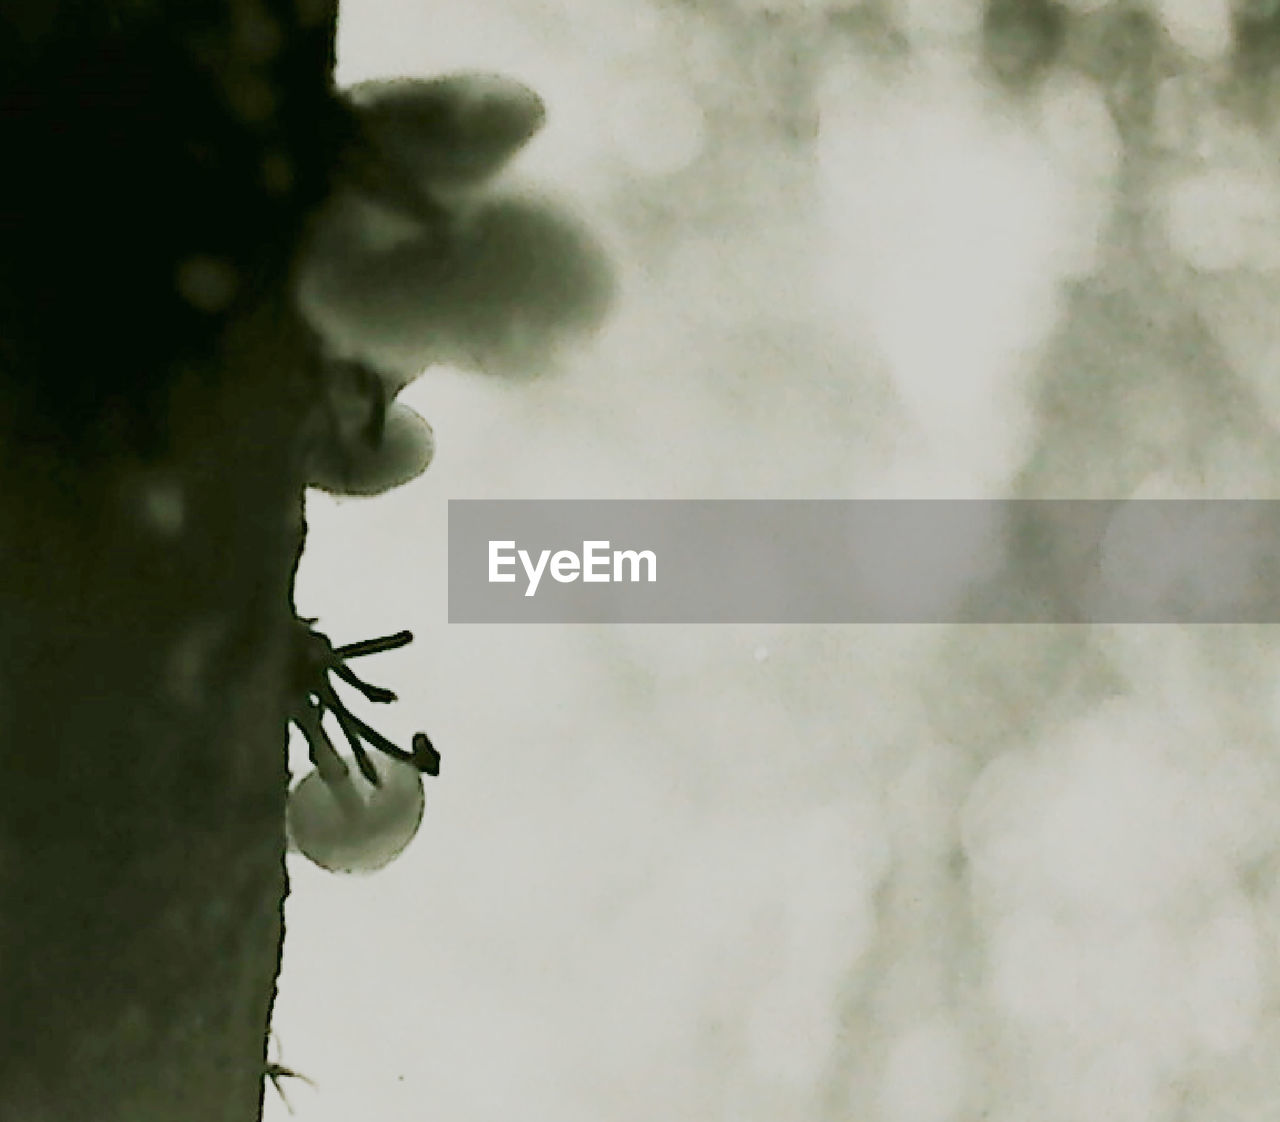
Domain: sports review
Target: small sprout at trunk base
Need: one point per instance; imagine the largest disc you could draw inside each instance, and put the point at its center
(278, 1072)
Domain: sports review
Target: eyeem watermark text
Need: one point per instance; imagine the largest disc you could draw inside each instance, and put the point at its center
(596, 564)
(924, 561)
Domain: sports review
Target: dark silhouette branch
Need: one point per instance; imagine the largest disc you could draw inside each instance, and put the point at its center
(157, 386)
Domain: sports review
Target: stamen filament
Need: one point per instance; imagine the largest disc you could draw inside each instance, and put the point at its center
(374, 646)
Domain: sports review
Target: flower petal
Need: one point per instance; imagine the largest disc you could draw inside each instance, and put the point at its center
(515, 280)
(353, 826)
(452, 131)
(403, 454)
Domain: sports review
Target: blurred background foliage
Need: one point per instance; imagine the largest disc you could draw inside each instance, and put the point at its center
(895, 249)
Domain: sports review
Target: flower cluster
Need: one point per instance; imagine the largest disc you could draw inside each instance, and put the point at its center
(419, 256)
(338, 822)
(425, 253)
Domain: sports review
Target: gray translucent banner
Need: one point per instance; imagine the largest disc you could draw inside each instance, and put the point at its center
(930, 561)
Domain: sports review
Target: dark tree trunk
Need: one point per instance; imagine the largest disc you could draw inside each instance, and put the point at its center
(155, 382)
